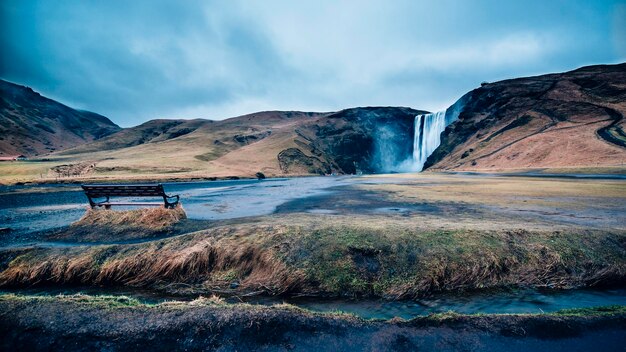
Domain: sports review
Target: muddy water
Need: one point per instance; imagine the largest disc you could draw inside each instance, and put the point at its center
(495, 302)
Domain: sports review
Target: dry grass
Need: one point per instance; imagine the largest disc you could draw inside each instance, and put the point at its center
(334, 260)
(111, 225)
(155, 218)
(199, 261)
(19, 171)
(431, 187)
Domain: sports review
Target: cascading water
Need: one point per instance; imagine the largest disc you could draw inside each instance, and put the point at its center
(427, 137)
(428, 129)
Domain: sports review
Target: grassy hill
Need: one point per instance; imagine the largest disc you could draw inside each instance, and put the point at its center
(572, 119)
(566, 120)
(31, 124)
(275, 143)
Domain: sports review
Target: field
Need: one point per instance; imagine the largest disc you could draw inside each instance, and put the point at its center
(389, 237)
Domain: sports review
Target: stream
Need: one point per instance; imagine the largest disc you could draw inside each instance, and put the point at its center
(489, 302)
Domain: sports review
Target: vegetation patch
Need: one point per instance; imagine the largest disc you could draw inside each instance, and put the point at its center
(334, 260)
(106, 225)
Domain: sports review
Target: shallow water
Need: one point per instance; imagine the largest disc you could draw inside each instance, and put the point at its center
(491, 302)
(28, 209)
(509, 302)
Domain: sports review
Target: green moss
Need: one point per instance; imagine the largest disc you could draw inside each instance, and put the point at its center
(592, 311)
(230, 275)
(355, 261)
(104, 301)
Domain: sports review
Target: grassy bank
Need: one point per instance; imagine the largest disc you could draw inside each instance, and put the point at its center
(86, 323)
(333, 259)
(117, 302)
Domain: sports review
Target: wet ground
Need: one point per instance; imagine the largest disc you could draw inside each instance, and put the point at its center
(427, 200)
(30, 209)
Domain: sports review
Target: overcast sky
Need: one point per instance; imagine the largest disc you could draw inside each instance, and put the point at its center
(138, 60)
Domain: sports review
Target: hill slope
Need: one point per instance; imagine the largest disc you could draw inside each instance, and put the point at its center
(572, 119)
(273, 142)
(31, 124)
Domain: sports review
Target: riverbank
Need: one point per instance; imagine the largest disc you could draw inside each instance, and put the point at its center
(377, 258)
(86, 323)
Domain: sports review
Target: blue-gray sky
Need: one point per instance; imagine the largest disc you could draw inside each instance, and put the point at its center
(137, 60)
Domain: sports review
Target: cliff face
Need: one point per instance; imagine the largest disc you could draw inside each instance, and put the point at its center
(31, 124)
(571, 119)
(370, 139)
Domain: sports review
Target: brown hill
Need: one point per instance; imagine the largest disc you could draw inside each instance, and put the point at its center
(31, 124)
(572, 119)
(273, 142)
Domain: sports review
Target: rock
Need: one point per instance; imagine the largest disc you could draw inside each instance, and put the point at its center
(294, 161)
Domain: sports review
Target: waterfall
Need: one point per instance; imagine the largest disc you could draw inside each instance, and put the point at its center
(427, 137)
(428, 129)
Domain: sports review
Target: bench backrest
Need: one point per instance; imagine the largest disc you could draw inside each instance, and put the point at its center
(138, 190)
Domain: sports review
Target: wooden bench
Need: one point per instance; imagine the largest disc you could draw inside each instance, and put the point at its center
(136, 190)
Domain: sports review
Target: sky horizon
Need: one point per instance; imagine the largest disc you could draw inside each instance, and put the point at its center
(144, 60)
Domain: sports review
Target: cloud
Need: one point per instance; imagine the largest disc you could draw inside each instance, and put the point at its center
(138, 60)
(619, 30)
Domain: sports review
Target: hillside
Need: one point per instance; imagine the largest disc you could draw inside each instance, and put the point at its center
(566, 120)
(31, 124)
(275, 143)
(572, 119)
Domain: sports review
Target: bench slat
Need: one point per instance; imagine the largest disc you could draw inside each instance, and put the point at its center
(130, 203)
